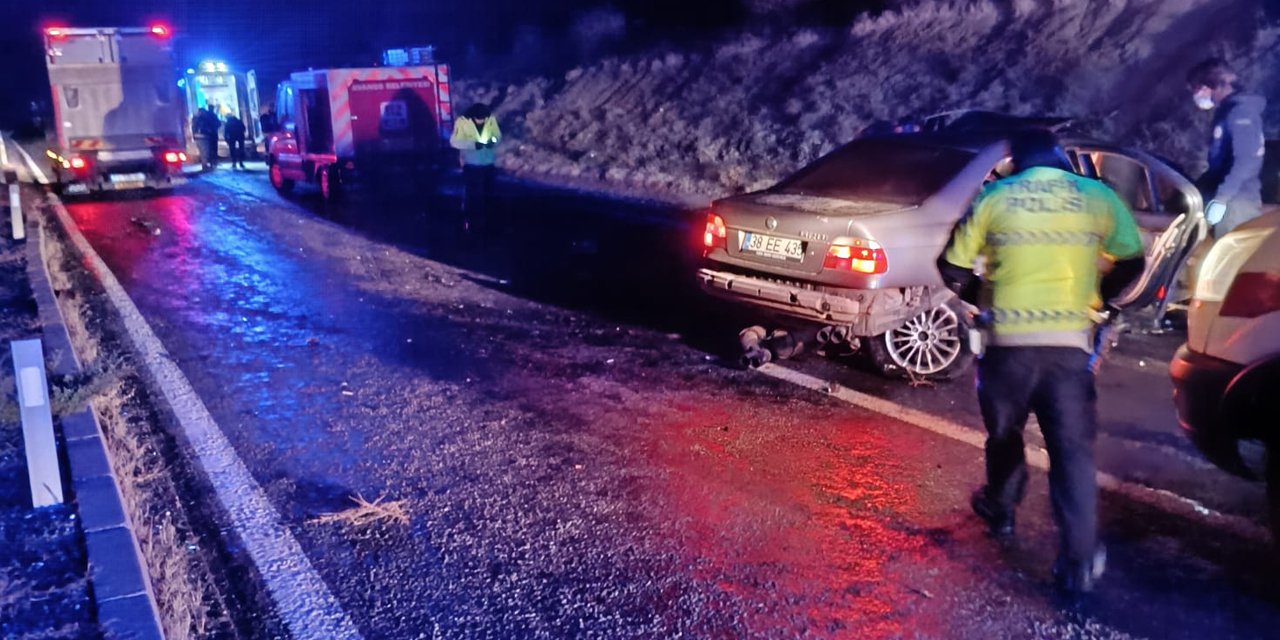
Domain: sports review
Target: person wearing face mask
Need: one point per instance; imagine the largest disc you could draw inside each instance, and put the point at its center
(1232, 185)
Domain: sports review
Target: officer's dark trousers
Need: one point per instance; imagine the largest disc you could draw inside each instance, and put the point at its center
(478, 189)
(236, 145)
(210, 150)
(1055, 383)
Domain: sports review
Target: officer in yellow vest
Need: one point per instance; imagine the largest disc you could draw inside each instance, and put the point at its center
(1056, 244)
(475, 135)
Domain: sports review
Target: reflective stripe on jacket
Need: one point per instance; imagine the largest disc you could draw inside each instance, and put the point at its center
(466, 135)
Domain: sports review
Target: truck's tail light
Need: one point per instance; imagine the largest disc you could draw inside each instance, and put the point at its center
(716, 234)
(1251, 295)
(858, 256)
(175, 157)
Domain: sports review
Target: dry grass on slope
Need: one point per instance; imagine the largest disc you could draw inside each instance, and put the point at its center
(742, 112)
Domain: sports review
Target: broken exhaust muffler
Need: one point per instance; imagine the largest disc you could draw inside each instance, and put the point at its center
(754, 354)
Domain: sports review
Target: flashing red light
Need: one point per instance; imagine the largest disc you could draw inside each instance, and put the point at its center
(861, 256)
(56, 32)
(716, 233)
(78, 163)
(159, 31)
(1251, 295)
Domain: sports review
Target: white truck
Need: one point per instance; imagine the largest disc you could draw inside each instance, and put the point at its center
(119, 118)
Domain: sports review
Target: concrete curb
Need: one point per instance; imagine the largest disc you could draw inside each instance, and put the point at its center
(121, 588)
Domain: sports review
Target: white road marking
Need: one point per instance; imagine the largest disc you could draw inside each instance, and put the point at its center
(1036, 456)
(302, 598)
(36, 174)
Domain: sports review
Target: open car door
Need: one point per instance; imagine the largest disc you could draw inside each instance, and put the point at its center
(1169, 211)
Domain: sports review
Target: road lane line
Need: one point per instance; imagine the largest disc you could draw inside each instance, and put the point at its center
(1036, 456)
(36, 174)
(303, 600)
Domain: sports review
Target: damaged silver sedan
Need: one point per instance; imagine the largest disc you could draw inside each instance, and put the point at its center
(848, 244)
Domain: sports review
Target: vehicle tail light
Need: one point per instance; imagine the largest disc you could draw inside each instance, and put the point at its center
(77, 163)
(716, 234)
(858, 256)
(175, 157)
(1220, 266)
(1251, 295)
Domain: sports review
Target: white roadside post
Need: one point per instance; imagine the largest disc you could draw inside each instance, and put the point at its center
(15, 201)
(37, 423)
(18, 227)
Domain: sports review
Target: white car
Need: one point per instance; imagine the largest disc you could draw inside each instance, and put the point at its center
(1226, 377)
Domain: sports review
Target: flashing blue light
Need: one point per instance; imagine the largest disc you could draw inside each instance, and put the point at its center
(182, 82)
(191, 72)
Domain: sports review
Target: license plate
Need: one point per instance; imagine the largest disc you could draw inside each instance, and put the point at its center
(128, 180)
(773, 247)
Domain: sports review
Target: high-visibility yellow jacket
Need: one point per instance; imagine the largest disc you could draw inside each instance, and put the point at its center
(466, 135)
(1044, 233)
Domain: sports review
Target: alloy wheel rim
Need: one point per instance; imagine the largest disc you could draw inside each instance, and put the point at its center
(926, 343)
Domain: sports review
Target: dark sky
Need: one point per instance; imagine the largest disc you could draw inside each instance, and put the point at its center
(275, 37)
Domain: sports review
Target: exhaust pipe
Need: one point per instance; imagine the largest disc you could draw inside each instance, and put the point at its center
(840, 335)
(824, 336)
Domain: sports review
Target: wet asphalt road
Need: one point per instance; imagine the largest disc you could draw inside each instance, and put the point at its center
(557, 413)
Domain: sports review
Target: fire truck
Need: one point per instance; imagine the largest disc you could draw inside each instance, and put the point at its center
(230, 93)
(387, 125)
(119, 118)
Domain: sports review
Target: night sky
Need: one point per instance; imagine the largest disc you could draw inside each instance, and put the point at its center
(275, 37)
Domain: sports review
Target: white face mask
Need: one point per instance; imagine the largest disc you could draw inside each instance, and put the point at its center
(1204, 99)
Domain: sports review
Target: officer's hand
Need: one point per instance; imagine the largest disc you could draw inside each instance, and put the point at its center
(1214, 212)
(970, 312)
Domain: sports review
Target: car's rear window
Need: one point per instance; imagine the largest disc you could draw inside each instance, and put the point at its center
(889, 170)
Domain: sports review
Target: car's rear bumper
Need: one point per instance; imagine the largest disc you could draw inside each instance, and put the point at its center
(1199, 384)
(792, 300)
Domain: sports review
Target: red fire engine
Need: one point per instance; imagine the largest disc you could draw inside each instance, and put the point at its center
(380, 124)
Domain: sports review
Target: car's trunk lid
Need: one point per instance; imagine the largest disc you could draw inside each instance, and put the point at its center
(782, 232)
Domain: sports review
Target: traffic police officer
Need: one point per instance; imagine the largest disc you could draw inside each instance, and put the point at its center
(1046, 234)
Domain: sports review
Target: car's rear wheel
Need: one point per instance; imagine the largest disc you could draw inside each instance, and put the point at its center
(929, 345)
(281, 184)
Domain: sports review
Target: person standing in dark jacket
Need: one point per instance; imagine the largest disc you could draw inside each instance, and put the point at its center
(233, 132)
(1236, 148)
(209, 127)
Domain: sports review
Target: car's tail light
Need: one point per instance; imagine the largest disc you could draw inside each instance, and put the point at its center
(716, 234)
(175, 157)
(1224, 260)
(1251, 295)
(858, 256)
(77, 163)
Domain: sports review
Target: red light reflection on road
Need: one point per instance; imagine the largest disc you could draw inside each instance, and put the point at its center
(805, 531)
